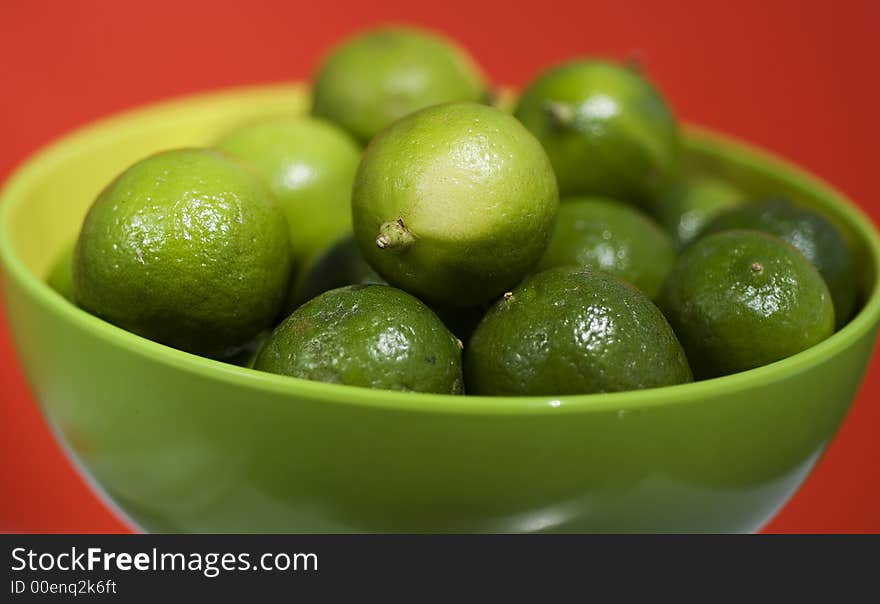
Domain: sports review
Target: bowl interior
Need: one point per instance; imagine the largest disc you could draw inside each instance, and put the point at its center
(42, 207)
(47, 216)
(761, 176)
(176, 442)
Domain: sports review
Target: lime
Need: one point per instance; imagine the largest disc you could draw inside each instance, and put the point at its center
(813, 234)
(341, 264)
(454, 203)
(383, 74)
(741, 299)
(570, 330)
(366, 335)
(60, 277)
(611, 237)
(310, 165)
(687, 207)
(607, 130)
(188, 248)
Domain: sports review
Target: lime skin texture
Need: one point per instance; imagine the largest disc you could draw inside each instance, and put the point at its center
(374, 336)
(571, 330)
(341, 264)
(60, 277)
(188, 248)
(379, 76)
(741, 299)
(609, 236)
(607, 130)
(814, 235)
(310, 166)
(686, 209)
(454, 204)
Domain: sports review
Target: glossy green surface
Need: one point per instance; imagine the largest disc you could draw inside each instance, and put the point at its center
(742, 299)
(187, 247)
(607, 130)
(606, 235)
(572, 330)
(688, 206)
(380, 75)
(182, 443)
(310, 166)
(816, 237)
(454, 203)
(375, 336)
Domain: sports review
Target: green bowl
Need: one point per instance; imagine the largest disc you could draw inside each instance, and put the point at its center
(183, 443)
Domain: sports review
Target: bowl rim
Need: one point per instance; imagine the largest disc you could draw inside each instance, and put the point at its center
(695, 137)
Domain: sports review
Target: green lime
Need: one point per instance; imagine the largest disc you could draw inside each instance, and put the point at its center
(813, 234)
(341, 264)
(366, 335)
(571, 330)
(188, 248)
(607, 130)
(687, 207)
(454, 203)
(310, 166)
(741, 299)
(383, 74)
(60, 277)
(611, 237)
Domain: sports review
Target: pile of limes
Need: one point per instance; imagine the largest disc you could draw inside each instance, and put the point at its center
(422, 232)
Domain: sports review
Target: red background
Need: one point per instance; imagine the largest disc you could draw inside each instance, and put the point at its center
(799, 78)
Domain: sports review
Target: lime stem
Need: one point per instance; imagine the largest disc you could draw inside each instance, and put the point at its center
(560, 114)
(394, 236)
